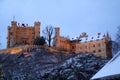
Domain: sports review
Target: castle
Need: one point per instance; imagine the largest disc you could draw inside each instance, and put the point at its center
(100, 45)
(22, 34)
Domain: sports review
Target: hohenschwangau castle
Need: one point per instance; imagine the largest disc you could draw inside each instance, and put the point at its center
(100, 45)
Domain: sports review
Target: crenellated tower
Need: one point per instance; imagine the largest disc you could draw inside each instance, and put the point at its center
(37, 29)
(22, 34)
(56, 38)
(12, 34)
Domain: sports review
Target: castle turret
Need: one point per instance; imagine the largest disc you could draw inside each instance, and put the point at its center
(37, 29)
(107, 37)
(108, 46)
(12, 34)
(57, 36)
(57, 31)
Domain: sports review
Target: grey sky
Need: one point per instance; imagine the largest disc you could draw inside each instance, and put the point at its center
(72, 16)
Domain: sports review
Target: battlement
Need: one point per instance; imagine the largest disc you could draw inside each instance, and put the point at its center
(15, 24)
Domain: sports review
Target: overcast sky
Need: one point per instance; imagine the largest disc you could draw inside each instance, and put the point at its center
(72, 16)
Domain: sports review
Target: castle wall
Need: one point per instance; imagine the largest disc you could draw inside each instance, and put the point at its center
(97, 48)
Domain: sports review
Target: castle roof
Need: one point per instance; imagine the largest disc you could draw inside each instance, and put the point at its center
(92, 38)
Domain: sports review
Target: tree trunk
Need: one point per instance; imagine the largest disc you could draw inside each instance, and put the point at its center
(49, 41)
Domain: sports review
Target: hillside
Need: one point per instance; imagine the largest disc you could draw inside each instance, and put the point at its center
(43, 65)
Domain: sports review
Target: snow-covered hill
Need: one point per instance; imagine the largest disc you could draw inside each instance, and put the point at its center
(42, 65)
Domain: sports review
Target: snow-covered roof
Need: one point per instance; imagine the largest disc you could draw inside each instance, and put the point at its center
(112, 68)
(92, 38)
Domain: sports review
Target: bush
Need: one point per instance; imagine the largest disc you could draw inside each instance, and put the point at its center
(39, 41)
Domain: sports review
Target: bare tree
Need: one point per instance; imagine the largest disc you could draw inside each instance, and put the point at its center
(48, 34)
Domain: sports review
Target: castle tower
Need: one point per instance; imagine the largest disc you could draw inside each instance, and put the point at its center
(57, 36)
(108, 46)
(22, 34)
(12, 34)
(57, 31)
(37, 29)
(14, 25)
(107, 37)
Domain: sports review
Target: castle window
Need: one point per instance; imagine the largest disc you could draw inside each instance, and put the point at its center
(99, 45)
(73, 47)
(99, 50)
(94, 51)
(32, 32)
(86, 47)
(24, 32)
(81, 48)
(93, 45)
(11, 33)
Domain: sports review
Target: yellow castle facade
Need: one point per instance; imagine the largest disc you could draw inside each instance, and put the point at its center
(22, 34)
(101, 46)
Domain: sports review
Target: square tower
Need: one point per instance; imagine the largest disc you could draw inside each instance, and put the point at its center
(22, 34)
(37, 29)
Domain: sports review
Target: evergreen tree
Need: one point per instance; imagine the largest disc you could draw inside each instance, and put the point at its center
(39, 41)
